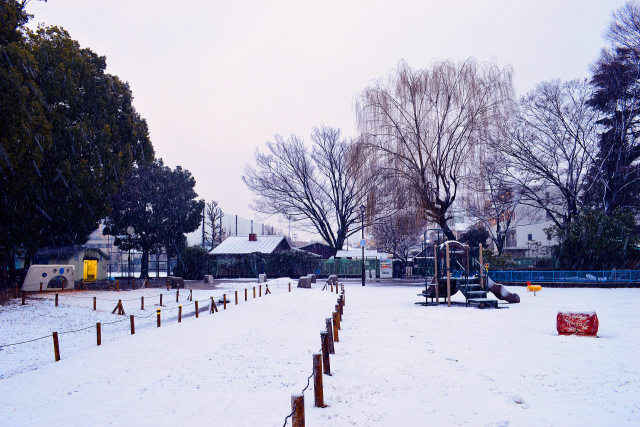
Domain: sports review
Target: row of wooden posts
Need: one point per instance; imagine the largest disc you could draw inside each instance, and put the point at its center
(213, 308)
(321, 362)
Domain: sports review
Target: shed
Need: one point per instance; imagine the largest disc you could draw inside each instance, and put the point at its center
(321, 249)
(242, 245)
(89, 263)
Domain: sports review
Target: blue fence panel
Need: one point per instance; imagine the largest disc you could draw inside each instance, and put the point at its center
(566, 276)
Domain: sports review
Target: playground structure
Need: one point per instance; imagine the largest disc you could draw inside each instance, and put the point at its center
(533, 288)
(49, 277)
(456, 269)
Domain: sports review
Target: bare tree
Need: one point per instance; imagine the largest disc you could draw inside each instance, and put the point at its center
(624, 31)
(213, 217)
(496, 199)
(321, 189)
(398, 233)
(423, 124)
(550, 146)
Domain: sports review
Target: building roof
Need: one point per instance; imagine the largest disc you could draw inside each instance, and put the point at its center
(242, 245)
(320, 249)
(357, 254)
(66, 252)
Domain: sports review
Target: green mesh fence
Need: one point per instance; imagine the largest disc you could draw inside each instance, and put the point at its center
(347, 267)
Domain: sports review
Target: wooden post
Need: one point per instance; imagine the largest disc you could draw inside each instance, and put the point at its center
(330, 336)
(324, 341)
(56, 299)
(317, 381)
(448, 276)
(56, 347)
(331, 287)
(338, 315)
(481, 266)
(213, 306)
(158, 316)
(133, 326)
(267, 291)
(190, 294)
(118, 285)
(335, 327)
(260, 291)
(341, 307)
(120, 307)
(141, 303)
(177, 295)
(23, 296)
(297, 407)
(245, 294)
(336, 288)
(289, 286)
(94, 303)
(160, 299)
(224, 301)
(196, 309)
(133, 284)
(179, 313)
(40, 286)
(236, 292)
(254, 291)
(99, 333)
(167, 285)
(146, 283)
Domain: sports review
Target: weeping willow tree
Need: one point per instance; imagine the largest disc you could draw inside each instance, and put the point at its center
(423, 125)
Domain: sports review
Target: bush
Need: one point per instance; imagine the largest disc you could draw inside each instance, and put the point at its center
(596, 241)
(292, 263)
(192, 263)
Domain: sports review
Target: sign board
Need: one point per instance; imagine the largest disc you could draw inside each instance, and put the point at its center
(362, 243)
(386, 269)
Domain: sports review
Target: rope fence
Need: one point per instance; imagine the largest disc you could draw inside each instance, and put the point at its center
(212, 309)
(321, 363)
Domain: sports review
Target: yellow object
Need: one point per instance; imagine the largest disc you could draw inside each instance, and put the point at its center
(90, 269)
(534, 288)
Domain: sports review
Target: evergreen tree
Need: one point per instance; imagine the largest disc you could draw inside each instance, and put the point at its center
(616, 80)
(69, 135)
(160, 205)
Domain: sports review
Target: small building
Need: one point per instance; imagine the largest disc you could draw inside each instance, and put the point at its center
(319, 249)
(89, 263)
(357, 254)
(242, 245)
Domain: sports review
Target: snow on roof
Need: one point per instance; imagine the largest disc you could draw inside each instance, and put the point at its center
(242, 245)
(66, 252)
(357, 253)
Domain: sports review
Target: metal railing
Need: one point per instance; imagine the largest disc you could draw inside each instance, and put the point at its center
(597, 276)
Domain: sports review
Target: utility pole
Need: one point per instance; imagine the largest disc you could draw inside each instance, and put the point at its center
(203, 217)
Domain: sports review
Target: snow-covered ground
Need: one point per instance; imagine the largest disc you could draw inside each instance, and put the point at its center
(397, 363)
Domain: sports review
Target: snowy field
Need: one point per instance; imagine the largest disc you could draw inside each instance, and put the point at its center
(397, 363)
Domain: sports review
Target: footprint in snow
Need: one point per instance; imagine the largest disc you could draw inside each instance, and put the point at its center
(518, 400)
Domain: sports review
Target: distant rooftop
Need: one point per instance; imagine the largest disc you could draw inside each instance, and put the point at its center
(242, 245)
(357, 254)
(66, 252)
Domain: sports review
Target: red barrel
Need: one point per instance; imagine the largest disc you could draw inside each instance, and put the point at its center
(568, 323)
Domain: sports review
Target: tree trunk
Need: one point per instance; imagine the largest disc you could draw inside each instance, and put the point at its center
(144, 264)
(442, 222)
